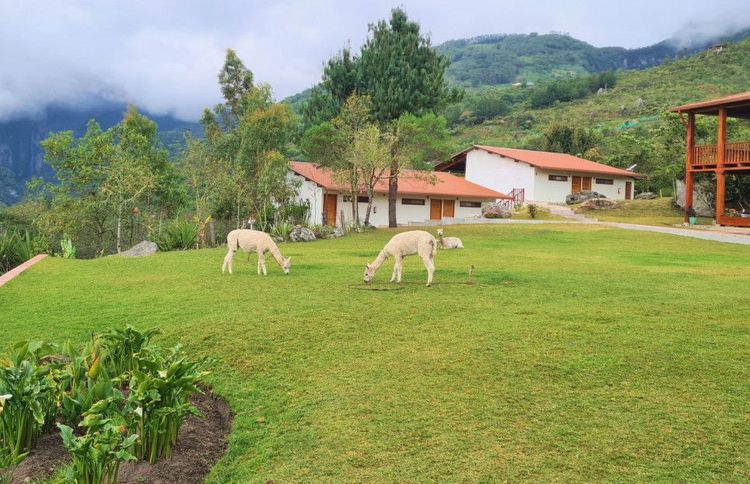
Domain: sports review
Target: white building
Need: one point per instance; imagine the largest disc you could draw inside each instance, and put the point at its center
(539, 175)
(422, 196)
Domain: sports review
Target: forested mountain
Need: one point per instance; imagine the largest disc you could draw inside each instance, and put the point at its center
(501, 59)
(21, 157)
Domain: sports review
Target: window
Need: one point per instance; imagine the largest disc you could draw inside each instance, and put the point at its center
(558, 178)
(360, 199)
(605, 181)
(470, 204)
(412, 201)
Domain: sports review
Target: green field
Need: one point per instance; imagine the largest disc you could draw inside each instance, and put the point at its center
(574, 353)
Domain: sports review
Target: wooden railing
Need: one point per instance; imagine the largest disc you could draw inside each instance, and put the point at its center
(736, 153)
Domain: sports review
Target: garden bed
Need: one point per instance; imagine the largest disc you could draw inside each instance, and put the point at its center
(201, 443)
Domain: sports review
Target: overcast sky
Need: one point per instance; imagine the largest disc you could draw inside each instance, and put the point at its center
(164, 55)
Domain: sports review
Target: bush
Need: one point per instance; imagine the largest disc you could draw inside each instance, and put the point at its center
(68, 249)
(321, 231)
(533, 210)
(179, 235)
(18, 247)
(282, 230)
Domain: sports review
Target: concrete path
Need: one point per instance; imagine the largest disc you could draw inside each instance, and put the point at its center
(16, 271)
(717, 235)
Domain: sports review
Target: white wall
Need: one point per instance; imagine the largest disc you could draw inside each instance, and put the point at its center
(547, 190)
(312, 193)
(499, 173)
(405, 214)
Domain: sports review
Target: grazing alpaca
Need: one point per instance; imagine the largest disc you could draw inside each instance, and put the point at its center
(254, 241)
(449, 242)
(406, 243)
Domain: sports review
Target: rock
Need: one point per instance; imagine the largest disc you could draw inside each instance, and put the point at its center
(598, 204)
(141, 250)
(301, 234)
(582, 197)
(646, 196)
(703, 197)
(496, 211)
(337, 232)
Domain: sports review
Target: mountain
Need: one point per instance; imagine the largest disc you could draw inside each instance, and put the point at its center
(502, 59)
(22, 158)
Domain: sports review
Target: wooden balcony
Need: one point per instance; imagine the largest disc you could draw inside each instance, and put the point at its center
(736, 157)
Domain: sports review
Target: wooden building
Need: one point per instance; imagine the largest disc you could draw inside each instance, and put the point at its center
(721, 158)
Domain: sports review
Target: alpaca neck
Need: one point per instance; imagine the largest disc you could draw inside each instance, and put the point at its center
(379, 260)
(276, 254)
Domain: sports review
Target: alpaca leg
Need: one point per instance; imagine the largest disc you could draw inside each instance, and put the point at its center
(429, 263)
(228, 262)
(400, 270)
(396, 276)
(262, 263)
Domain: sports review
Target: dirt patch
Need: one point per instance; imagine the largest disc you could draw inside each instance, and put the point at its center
(200, 444)
(44, 460)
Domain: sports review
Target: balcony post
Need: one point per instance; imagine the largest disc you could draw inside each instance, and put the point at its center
(690, 147)
(721, 152)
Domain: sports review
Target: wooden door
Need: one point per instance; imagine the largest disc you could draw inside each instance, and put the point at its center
(329, 208)
(436, 209)
(586, 184)
(449, 208)
(576, 184)
(628, 190)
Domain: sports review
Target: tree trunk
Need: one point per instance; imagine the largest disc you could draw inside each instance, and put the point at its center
(369, 206)
(119, 227)
(212, 232)
(392, 193)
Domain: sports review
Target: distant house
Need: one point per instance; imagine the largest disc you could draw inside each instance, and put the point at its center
(538, 175)
(422, 196)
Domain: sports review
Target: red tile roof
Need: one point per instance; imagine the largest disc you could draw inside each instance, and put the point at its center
(410, 182)
(555, 161)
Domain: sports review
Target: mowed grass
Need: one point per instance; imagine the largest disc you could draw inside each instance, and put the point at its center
(573, 353)
(659, 211)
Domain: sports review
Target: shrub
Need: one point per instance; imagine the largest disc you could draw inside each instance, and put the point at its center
(179, 235)
(68, 249)
(18, 247)
(27, 399)
(321, 231)
(122, 345)
(282, 230)
(98, 453)
(533, 210)
(158, 400)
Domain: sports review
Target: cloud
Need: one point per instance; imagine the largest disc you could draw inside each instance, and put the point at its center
(164, 55)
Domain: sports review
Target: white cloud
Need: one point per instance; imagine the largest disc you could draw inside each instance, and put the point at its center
(164, 55)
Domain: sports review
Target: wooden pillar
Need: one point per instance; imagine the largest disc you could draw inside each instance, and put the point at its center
(690, 154)
(721, 152)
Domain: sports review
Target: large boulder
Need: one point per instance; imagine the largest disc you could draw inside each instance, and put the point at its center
(301, 234)
(496, 210)
(142, 249)
(703, 197)
(582, 197)
(598, 204)
(646, 196)
(336, 233)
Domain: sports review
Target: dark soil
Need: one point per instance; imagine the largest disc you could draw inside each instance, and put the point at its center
(200, 444)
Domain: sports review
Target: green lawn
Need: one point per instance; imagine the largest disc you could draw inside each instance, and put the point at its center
(660, 211)
(575, 353)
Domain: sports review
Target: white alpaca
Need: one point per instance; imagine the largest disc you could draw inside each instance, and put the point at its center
(254, 241)
(449, 242)
(406, 243)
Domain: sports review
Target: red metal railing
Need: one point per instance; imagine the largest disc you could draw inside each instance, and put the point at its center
(736, 153)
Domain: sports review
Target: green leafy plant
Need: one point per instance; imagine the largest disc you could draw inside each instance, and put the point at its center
(8, 463)
(321, 231)
(17, 247)
(121, 347)
(179, 235)
(27, 398)
(98, 453)
(158, 400)
(282, 230)
(68, 249)
(83, 380)
(533, 210)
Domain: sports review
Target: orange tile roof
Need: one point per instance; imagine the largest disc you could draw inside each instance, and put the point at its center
(556, 161)
(410, 182)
